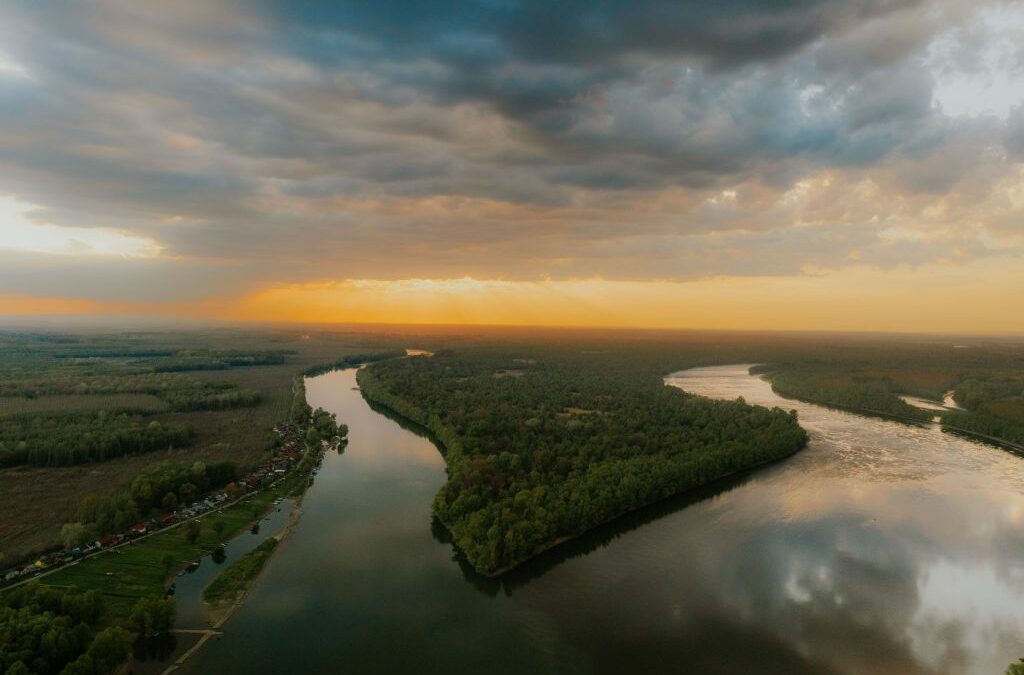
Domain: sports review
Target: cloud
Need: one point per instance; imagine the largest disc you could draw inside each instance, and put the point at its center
(283, 142)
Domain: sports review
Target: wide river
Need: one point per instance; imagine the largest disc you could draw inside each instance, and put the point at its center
(881, 548)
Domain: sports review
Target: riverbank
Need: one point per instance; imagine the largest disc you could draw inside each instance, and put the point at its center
(985, 438)
(145, 567)
(229, 588)
(946, 428)
(219, 607)
(867, 412)
(722, 479)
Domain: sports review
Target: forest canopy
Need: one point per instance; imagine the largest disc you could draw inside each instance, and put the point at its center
(542, 446)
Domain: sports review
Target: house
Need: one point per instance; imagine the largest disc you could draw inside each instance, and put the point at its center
(106, 541)
(138, 528)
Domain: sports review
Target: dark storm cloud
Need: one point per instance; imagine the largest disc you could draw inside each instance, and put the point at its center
(583, 32)
(500, 137)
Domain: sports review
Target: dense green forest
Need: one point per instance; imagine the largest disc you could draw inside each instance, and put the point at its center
(158, 488)
(50, 631)
(1000, 418)
(842, 389)
(74, 438)
(541, 446)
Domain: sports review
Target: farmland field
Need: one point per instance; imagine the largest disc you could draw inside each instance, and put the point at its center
(42, 373)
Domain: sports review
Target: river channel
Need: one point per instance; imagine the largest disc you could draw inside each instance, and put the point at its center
(881, 548)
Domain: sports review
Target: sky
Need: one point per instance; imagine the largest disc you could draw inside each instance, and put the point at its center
(802, 164)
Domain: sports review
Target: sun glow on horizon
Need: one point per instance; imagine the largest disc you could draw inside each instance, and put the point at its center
(935, 298)
(857, 298)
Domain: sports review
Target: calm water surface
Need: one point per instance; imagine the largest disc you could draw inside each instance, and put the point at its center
(882, 548)
(189, 584)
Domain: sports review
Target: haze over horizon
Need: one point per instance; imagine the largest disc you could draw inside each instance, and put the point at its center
(814, 165)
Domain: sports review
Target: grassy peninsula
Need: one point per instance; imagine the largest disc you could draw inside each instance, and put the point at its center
(230, 584)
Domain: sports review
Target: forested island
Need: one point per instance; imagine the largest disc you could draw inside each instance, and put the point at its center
(542, 449)
(841, 389)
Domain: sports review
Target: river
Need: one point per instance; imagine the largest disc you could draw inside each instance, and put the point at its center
(881, 548)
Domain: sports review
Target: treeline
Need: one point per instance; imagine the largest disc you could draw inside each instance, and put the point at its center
(158, 488)
(987, 383)
(114, 354)
(180, 392)
(75, 438)
(191, 361)
(300, 411)
(353, 360)
(120, 370)
(998, 419)
(220, 398)
(543, 447)
(975, 392)
(842, 389)
(319, 424)
(62, 382)
(994, 406)
(49, 631)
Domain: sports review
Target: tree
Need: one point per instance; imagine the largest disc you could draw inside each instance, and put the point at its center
(187, 491)
(192, 531)
(151, 616)
(107, 652)
(218, 527)
(73, 534)
(170, 501)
